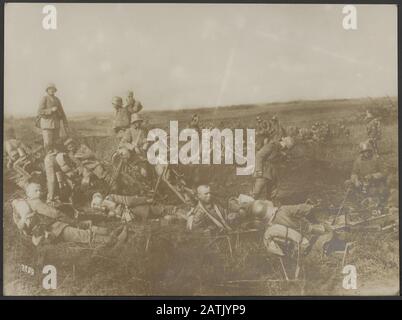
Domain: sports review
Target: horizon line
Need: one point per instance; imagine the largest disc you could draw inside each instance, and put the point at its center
(77, 113)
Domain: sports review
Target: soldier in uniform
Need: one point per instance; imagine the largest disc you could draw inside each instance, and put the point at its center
(367, 177)
(16, 151)
(122, 115)
(51, 169)
(276, 130)
(135, 139)
(50, 114)
(84, 158)
(266, 167)
(132, 105)
(207, 215)
(315, 131)
(262, 132)
(142, 207)
(62, 176)
(373, 132)
(290, 222)
(44, 222)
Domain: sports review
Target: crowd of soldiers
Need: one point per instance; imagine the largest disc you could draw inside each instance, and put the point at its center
(71, 167)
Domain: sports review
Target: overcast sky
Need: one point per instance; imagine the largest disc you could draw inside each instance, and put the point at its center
(180, 56)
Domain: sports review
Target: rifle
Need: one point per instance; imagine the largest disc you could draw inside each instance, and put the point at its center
(342, 205)
(158, 183)
(115, 175)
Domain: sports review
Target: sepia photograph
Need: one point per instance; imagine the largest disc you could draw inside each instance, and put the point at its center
(200, 150)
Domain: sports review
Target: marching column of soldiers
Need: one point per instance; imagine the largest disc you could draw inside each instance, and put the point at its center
(71, 167)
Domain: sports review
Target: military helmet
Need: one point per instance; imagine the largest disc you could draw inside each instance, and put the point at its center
(118, 101)
(259, 208)
(130, 93)
(135, 117)
(51, 85)
(365, 146)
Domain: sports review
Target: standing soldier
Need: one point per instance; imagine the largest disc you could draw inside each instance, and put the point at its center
(266, 167)
(132, 105)
(51, 169)
(122, 115)
(262, 132)
(50, 114)
(276, 130)
(373, 132)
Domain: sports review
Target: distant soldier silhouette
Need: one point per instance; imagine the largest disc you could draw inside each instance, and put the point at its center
(374, 133)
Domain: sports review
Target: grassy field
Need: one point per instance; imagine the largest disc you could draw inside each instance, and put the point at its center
(178, 268)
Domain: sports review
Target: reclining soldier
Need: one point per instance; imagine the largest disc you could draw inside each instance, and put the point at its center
(46, 223)
(84, 159)
(19, 157)
(207, 215)
(291, 222)
(114, 205)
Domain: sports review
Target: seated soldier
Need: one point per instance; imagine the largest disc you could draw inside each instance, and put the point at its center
(135, 139)
(366, 177)
(207, 215)
(45, 223)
